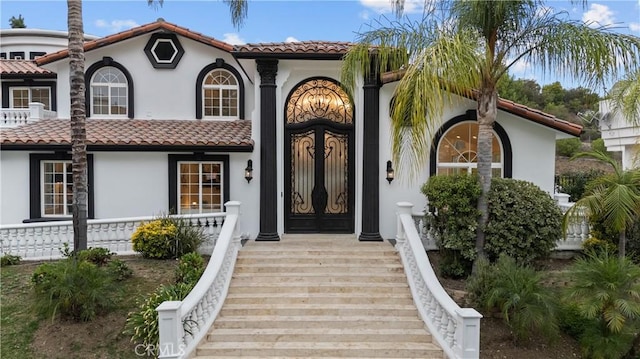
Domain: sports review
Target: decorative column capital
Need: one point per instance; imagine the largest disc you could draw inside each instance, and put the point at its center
(268, 69)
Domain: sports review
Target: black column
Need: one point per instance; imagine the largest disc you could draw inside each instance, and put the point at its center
(268, 166)
(370, 159)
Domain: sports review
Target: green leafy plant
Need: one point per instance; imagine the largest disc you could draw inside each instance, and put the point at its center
(167, 237)
(594, 244)
(119, 270)
(568, 147)
(606, 288)
(524, 221)
(9, 260)
(98, 256)
(190, 268)
(142, 325)
(480, 284)
(575, 183)
(75, 289)
(526, 305)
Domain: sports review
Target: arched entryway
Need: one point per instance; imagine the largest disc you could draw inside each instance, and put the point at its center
(319, 158)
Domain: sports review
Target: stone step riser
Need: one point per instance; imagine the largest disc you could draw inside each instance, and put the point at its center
(301, 289)
(246, 279)
(311, 311)
(310, 323)
(373, 261)
(259, 301)
(314, 338)
(337, 352)
(314, 253)
(343, 269)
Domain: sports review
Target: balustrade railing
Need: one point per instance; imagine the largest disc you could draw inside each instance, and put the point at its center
(183, 324)
(13, 117)
(457, 330)
(44, 240)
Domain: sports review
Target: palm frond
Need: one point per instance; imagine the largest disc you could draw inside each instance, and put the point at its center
(625, 97)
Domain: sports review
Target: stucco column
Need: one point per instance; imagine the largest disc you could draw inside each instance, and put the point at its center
(371, 159)
(268, 165)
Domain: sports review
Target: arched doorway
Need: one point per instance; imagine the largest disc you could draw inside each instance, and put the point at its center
(319, 158)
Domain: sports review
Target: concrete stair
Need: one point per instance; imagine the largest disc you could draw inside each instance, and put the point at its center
(318, 296)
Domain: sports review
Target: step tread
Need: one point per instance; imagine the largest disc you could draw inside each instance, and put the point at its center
(317, 331)
(319, 345)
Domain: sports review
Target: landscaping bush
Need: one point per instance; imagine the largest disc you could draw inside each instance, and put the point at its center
(142, 325)
(167, 237)
(574, 183)
(480, 284)
(607, 234)
(119, 270)
(568, 147)
(75, 289)
(98, 256)
(598, 145)
(606, 288)
(572, 321)
(594, 244)
(190, 268)
(524, 221)
(525, 304)
(9, 260)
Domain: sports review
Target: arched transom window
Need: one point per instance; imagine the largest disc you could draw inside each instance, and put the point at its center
(220, 95)
(458, 151)
(109, 92)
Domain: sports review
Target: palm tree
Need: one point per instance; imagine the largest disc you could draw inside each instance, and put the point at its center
(625, 97)
(78, 120)
(614, 198)
(464, 47)
(17, 22)
(239, 10)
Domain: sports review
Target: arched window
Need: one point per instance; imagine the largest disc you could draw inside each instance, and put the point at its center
(458, 151)
(220, 94)
(109, 92)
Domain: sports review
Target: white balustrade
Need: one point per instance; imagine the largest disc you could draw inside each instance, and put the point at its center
(44, 240)
(183, 324)
(13, 117)
(457, 330)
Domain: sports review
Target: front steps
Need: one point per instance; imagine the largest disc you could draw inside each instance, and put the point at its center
(318, 296)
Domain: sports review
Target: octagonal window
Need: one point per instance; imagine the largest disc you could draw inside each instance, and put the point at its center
(164, 51)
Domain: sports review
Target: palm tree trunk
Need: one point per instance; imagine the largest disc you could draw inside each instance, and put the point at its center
(622, 244)
(78, 119)
(487, 112)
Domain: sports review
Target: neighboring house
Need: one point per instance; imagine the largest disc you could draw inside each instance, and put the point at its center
(620, 135)
(179, 121)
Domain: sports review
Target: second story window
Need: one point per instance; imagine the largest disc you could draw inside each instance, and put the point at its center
(109, 92)
(21, 96)
(220, 95)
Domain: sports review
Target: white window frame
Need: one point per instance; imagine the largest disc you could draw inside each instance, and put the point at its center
(196, 208)
(109, 85)
(221, 88)
(468, 166)
(65, 194)
(30, 94)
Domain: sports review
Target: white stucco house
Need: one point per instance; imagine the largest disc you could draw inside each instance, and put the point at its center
(620, 135)
(179, 121)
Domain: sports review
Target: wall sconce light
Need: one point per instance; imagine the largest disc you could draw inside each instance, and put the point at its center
(248, 172)
(390, 172)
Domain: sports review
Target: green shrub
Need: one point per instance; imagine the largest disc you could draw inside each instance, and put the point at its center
(480, 284)
(167, 237)
(454, 198)
(190, 268)
(594, 244)
(142, 325)
(572, 321)
(72, 288)
(119, 270)
(568, 147)
(524, 221)
(9, 260)
(525, 304)
(607, 234)
(575, 183)
(598, 145)
(98, 256)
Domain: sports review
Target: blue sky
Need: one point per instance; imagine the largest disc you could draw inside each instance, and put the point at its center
(276, 21)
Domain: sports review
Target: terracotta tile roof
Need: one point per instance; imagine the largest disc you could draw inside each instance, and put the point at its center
(134, 133)
(293, 49)
(511, 107)
(137, 31)
(20, 68)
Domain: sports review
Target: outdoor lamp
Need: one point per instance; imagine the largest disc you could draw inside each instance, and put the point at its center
(248, 172)
(389, 172)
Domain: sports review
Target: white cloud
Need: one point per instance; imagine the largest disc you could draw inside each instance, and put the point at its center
(233, 39)
(364, 15)
(520, 67)
(598, 15)
(291, 39)
(634, 26)
(116, 25)
(384, 6)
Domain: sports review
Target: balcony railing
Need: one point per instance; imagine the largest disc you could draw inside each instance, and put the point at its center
(13, 117)
(43, 241)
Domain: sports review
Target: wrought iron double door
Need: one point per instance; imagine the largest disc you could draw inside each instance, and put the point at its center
(319, 187)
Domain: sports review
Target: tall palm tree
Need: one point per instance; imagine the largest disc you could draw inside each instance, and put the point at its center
(239, 10)
(614, 198)
(463, 47)
(625, 97)
(78, 120)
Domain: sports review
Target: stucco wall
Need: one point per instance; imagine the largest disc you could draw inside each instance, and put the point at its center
(14, 186)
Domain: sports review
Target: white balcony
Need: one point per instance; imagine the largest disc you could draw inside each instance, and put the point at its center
(14, 117)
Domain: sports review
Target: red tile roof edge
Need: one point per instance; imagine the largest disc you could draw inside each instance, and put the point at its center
(517, 109)
(137, 31)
